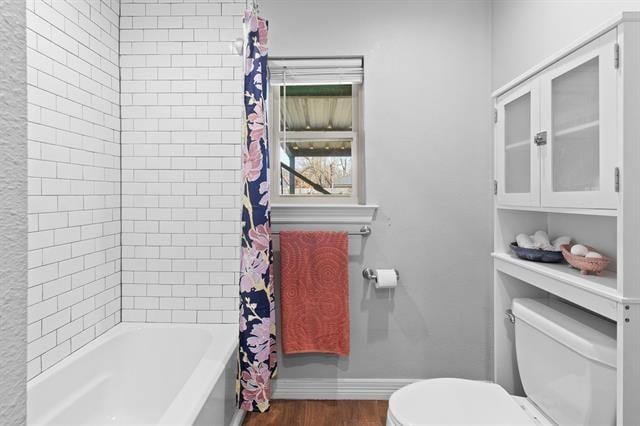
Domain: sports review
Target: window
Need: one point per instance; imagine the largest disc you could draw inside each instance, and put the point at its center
(314, 130)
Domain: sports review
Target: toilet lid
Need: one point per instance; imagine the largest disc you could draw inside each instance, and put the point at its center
(455, 402)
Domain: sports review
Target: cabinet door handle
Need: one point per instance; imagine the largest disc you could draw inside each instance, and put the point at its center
(540, 138)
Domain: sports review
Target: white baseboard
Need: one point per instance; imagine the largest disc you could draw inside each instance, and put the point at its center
(238, 418)
(337, 388)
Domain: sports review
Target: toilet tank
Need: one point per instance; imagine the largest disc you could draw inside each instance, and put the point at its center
(567, 361)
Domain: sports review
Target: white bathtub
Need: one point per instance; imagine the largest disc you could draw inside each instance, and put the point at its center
(141, 374)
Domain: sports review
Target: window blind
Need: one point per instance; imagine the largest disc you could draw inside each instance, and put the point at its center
(301, 71)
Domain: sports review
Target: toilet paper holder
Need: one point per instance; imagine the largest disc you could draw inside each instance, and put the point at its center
(370, 274)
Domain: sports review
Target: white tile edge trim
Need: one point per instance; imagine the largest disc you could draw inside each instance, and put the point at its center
(323, 213)
(238, 418)
(338, 388)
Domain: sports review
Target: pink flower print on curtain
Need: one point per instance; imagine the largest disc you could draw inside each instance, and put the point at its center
(257, 344)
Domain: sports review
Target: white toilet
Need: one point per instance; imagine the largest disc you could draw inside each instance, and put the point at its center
(567, 363)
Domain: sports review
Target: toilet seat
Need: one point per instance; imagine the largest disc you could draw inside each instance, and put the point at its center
(454, 402)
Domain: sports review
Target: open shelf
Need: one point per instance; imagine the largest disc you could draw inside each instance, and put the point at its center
(581, 211)
(597, 293)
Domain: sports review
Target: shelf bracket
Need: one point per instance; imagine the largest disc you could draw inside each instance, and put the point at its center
(617, 179)
(616, 56)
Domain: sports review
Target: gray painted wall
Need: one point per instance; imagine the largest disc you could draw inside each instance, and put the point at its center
(427, 131)
(517, 45)
(13, 213)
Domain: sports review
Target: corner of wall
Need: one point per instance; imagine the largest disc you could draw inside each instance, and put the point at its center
(13, 213)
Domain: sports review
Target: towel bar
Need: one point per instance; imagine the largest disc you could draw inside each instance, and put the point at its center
(365, 231)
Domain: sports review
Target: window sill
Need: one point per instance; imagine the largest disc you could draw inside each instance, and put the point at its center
(323, 213)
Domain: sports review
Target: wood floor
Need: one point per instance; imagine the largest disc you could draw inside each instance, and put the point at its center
(320, 413)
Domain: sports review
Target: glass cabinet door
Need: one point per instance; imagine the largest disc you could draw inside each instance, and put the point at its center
(517, 164)
(575, 129)
(517, 144)
(578, 116)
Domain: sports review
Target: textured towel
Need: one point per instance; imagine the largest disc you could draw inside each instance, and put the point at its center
(314, 292)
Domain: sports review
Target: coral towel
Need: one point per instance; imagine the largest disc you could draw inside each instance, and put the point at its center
(314, 292)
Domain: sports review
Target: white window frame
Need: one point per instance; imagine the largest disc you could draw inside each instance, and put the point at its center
(274, 137)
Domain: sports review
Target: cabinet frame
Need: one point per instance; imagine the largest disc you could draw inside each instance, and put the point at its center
(531, 198)
(606, 196)
(539, 85)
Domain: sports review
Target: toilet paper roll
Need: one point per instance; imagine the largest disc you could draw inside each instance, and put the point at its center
(387, 278)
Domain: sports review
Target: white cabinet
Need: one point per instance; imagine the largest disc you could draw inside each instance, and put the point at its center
(582, 107)
(555, 134)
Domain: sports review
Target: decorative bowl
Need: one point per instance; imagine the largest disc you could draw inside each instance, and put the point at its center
(536, 255)
(586, 265)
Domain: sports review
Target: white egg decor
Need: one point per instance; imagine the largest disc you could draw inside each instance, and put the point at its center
(585, 259)
(579, 250)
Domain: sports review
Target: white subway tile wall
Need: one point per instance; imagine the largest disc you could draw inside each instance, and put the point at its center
(74, 176)
(181, 97)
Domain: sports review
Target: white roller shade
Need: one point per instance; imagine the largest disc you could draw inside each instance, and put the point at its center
(299, 71)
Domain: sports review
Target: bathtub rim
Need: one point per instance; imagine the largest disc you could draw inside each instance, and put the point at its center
(212, 359)
(190, 400)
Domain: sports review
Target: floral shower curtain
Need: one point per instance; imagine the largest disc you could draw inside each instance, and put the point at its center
(257, 346)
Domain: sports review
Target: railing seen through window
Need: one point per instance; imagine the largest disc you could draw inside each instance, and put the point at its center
(314, 111)
(316, 137)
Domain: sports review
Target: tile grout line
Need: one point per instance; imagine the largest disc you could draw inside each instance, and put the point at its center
(120, 141)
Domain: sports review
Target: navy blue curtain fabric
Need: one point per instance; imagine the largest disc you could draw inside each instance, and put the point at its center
(257, 346)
